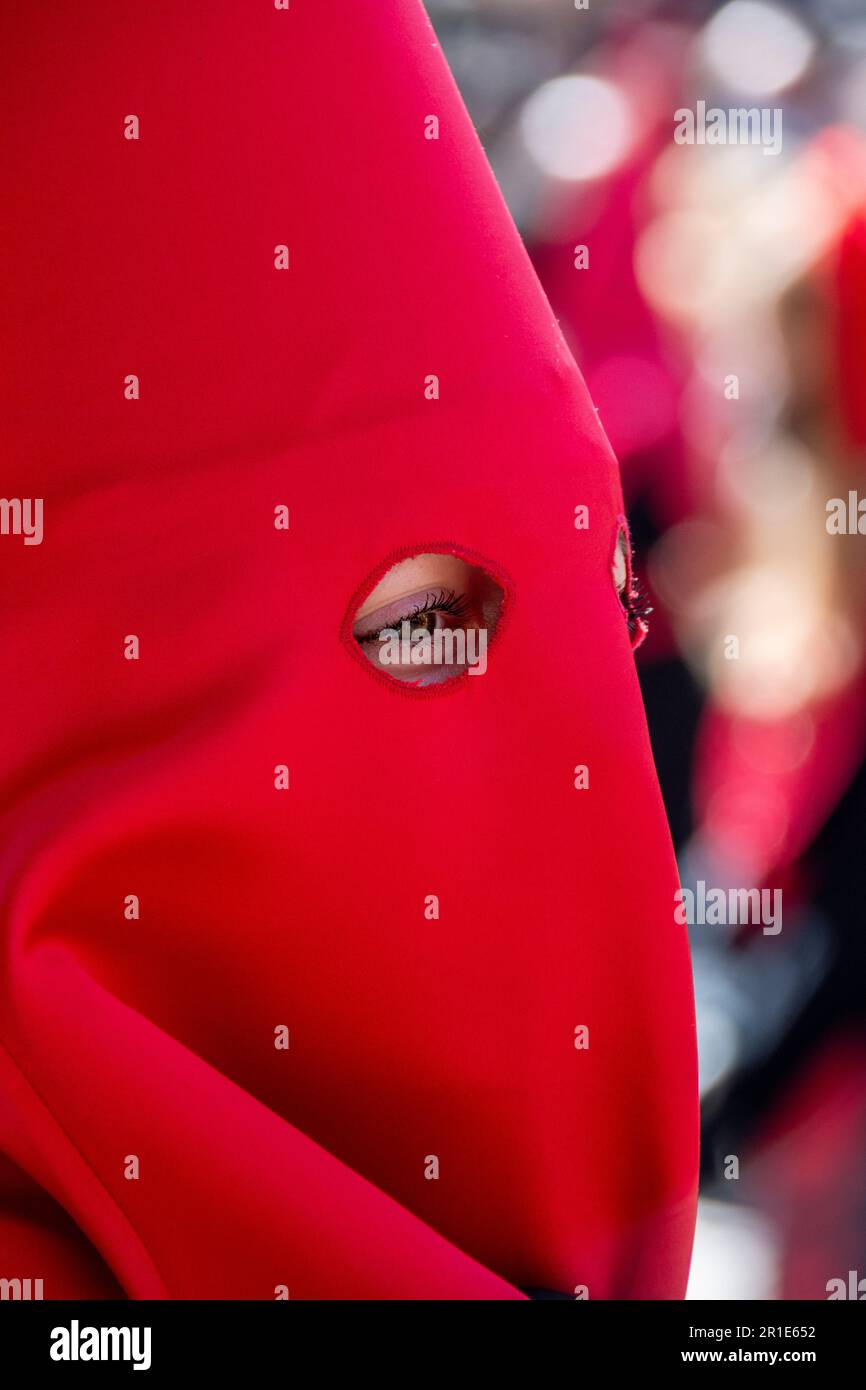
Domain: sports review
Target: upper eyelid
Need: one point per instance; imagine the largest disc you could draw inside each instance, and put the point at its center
(396, 609)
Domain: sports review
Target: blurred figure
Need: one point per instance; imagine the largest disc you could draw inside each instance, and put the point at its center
(717, 298)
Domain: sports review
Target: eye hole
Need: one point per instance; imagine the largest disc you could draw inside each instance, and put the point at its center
(631, 595)
(429, 619)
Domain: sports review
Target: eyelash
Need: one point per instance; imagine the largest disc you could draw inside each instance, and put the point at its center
(637, 611)
(446, 601)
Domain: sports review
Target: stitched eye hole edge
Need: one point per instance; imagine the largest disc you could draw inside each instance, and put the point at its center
(631, 594)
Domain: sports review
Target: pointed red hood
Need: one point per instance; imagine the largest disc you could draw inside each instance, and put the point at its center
(258, 387)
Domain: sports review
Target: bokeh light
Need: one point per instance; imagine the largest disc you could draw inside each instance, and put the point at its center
(576, 127)
(757, 48)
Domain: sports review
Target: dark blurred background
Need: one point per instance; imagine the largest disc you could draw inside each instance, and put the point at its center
(720, 324)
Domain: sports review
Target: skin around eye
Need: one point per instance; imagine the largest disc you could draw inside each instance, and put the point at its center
(421, 596)
(620, 563)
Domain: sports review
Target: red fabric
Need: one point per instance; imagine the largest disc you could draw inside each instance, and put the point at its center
(408, 1038)
(850, 283)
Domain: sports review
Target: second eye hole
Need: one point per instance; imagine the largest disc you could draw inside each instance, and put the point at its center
(429, 619)
(632, 597)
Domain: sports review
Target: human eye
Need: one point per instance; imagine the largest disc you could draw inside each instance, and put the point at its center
(426, 633)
